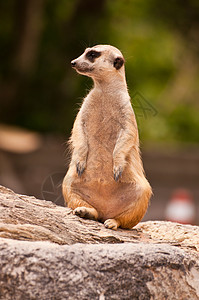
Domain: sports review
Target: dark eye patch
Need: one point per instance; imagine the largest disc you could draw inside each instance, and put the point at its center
(92, 55)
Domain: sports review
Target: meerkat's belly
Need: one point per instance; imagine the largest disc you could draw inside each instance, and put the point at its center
(109, 199)
(102, 130)
(97, 186)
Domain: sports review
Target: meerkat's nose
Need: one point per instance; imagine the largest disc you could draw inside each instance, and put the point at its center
(73, 63)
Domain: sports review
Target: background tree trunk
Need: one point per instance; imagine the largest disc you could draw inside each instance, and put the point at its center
(29, 19)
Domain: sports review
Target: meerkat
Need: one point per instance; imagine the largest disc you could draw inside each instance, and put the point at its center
(106, 180)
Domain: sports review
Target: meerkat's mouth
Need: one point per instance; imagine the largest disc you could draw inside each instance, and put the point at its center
(84, 69)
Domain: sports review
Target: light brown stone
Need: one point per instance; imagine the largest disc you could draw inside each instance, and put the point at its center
(48, 253)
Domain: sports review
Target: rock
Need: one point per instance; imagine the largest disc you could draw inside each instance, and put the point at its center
(48, 253)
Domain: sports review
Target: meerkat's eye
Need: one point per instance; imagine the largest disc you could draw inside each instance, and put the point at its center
(92, 55)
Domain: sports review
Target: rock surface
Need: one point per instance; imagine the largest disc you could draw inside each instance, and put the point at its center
(48, 253)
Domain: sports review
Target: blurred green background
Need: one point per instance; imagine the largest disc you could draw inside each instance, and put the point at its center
(39, 91)
(38, 39)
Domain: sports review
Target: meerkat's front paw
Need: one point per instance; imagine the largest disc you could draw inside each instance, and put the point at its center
(117, 172)
(80, 159)
(111, 224)
(80, 167)
(86, 213)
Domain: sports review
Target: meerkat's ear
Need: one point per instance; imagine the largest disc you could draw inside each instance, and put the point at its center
(118, 62)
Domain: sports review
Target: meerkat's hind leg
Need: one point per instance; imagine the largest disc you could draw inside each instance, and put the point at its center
(86, 212)
(112, 224)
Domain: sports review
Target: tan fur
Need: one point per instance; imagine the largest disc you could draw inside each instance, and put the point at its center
(105, 144)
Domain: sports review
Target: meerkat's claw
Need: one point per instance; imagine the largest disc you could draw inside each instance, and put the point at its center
(117, 173)
(86, 213)
(111, 224)
(80, 168)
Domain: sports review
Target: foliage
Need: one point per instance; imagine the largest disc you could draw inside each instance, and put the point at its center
(159, 43)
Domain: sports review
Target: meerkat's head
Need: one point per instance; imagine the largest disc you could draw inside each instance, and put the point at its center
(100, 62)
